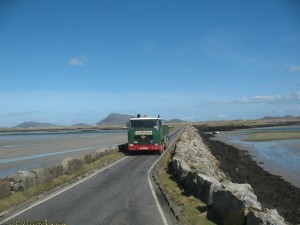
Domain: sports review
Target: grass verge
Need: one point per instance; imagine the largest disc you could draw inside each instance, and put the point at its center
(22, 196)
(193, 211)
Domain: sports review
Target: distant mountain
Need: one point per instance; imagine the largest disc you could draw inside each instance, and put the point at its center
(174, 121)
(80, 125)
(115, 119)
(30, 124)
(287, 117)
(121, 119)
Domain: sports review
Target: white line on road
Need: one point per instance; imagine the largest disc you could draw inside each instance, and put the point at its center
(153, 191)
(61, 191)
(154, 195)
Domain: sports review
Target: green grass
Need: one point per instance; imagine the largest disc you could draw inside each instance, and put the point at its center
(22, 196)
(194, 211)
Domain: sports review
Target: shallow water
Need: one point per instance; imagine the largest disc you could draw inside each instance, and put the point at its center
(41, 135)
(29, 150)
(280, 157)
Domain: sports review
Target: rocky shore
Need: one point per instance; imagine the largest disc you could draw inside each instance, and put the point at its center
(234, 187)
(272, 191)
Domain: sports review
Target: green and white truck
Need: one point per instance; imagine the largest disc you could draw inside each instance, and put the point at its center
(147, 134)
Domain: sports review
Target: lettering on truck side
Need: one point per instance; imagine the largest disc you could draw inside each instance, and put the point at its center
(143, 132)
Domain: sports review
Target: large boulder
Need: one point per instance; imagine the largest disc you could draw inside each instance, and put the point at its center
(22, 180)
(100, 153)
(183, 171)
(233, 203)
(112, 149)
(206, 186)
(70, 164)
(175, 163)
(5, 188)
(42, 175)
(56, 171)
(264, 217)
(191, 183)
(89, 158)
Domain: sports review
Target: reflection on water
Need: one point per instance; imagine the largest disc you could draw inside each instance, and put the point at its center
(284, 153)
(280, 157)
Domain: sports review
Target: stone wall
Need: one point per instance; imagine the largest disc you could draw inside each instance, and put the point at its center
(199, 172)
(23, 180)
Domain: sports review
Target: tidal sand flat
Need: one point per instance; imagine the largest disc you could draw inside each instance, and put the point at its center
(31, 150)
(272, 135)
(244, 166)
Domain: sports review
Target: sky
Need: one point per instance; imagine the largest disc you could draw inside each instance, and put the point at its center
(66, 62)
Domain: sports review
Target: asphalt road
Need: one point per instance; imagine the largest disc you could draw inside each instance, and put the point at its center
(118, 194)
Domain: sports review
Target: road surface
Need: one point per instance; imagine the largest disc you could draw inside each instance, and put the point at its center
(118, 194)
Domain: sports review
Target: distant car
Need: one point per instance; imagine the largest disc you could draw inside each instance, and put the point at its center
(215, 132)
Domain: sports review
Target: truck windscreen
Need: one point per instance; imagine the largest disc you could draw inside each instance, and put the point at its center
(143, 123)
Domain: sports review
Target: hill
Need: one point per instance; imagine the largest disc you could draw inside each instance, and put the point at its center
(121, 119)
(115, 119)
(174, 121)
(31, 124)
(80, 125)
(287, 117)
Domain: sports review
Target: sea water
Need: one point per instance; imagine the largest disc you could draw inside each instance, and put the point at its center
(279, 157)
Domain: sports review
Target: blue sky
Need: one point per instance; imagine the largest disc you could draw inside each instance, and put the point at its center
(67, 61)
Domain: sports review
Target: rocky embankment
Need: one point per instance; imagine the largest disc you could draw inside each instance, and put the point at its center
(199, 171)
(23, 180)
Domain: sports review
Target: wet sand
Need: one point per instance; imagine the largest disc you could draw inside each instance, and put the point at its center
(271, 190)
(27, 153)
(273, 135)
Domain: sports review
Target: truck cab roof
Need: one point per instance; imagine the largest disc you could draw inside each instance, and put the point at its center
(145, 118)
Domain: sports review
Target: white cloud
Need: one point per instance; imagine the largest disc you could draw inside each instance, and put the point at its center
(260, 99)
(221, 115)
(79, 61)
(274, 98)
(294, 68)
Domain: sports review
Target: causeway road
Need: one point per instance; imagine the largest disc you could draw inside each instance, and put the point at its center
(122, 193)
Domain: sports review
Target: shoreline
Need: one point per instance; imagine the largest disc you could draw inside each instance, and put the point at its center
(277, 156)
(271, 136)
(271, 190)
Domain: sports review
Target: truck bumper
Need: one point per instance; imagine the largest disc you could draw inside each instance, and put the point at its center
(150, 147)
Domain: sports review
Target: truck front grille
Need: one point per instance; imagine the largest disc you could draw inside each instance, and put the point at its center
(144, 139)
